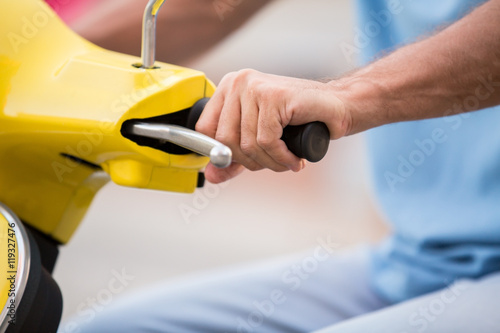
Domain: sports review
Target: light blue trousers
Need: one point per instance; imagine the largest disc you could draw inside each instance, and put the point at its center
(319, 290)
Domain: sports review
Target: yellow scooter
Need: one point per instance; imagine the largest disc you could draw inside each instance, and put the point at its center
(72, 117)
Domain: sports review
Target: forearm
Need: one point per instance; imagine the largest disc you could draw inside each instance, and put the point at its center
(457, 70)
(185, 28)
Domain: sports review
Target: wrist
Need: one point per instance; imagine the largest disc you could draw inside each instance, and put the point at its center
(362, 99)
(331, 109)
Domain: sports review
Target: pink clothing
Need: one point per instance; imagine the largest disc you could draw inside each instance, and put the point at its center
(70, 10)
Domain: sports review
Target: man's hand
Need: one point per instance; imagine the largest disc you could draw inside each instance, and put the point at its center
(249, 111)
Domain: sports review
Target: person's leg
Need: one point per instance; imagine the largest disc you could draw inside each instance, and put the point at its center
(464, 307)
(298, 294)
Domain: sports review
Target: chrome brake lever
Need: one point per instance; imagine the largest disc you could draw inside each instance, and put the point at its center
(220, 155)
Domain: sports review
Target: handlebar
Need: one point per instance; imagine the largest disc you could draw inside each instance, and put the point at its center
(309, 141)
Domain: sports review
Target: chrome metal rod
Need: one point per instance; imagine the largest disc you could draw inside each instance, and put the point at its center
(149, 33)
(220, 155)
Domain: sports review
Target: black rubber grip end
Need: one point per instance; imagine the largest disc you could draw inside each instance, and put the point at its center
(309, 141)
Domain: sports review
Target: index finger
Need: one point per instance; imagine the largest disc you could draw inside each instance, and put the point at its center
(209, 118)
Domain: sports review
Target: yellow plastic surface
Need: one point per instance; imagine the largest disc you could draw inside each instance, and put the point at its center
(63, 96)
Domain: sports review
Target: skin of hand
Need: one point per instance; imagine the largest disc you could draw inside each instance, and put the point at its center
(249, 111)
(427, 79)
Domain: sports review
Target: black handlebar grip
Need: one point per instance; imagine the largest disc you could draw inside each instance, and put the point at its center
(309, 141)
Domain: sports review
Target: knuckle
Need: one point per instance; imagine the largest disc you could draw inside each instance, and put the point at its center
(247, 78)
(223, 137)
(228, 77)
(246, 72)
(265, 141)
(231, 81)
(242, 75)
(248, 148)
(202, 127)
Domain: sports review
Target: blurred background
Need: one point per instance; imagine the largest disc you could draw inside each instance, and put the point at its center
(155, 236)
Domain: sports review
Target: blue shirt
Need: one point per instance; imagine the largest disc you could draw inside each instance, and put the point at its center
(438, 180)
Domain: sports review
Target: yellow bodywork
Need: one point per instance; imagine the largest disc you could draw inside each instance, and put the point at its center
(63, 100)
